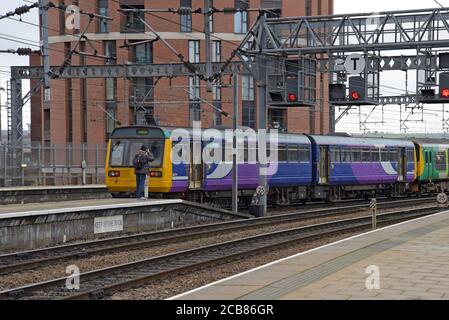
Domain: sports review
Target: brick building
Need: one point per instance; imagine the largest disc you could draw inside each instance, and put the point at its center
(88, 110)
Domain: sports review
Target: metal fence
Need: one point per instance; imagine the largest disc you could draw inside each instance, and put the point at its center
(57, 164)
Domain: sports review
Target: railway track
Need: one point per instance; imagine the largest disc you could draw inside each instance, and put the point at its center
(19, 261)
(100, 283)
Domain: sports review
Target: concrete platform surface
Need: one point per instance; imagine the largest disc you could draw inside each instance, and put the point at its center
(405, 261)
(70, 187)
(47, 208)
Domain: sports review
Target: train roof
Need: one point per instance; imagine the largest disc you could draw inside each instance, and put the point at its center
(432, 142)
(361, 142)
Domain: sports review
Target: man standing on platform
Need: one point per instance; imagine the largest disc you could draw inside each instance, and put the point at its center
(141, 167)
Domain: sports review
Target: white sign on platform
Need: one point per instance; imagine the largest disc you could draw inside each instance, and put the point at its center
(108, 224)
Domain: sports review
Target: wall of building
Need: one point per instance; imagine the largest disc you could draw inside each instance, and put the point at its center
(78, 107)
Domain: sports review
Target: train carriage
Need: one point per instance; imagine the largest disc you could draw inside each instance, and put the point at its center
(361, 167)
(432, 170)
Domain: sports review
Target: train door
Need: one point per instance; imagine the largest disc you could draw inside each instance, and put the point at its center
(402, 165)
(324, 165)
(196, 166)
(428, 163)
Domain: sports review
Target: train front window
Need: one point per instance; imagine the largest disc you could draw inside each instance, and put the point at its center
(117, 153)
(156, 148)
(124, 151)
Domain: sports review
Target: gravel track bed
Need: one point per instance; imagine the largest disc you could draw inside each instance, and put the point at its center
(184, 282)
(49, 272)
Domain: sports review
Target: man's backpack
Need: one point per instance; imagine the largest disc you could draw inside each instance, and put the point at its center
(138, 162)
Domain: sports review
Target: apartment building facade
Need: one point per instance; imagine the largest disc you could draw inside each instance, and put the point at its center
(87, 110)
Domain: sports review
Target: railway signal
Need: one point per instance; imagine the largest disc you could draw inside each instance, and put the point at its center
(430, 96)
(292, 83)
(357, 88)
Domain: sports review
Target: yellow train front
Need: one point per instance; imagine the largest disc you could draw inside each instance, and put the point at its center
(124, 144)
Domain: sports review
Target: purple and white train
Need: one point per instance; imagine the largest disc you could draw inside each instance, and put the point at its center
(308, 167)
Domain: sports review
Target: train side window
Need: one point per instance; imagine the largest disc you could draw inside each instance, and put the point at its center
(356, 155)
(293, 153)
(366, 155)
(375, 155)
(384, 155)
(335, 155)
(227, 152)
(345, 155)
(245, 152)
(440, 161)
(241, 153)
(304, 154)
(410, 155)
(282, 153)
(393, 155)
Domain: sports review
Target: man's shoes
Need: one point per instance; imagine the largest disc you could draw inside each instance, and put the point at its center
(143, 198)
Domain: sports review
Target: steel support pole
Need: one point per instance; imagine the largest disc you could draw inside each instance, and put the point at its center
(208, 44)
(16, 125)
(43, 12)
(261, 67)
(235, 115)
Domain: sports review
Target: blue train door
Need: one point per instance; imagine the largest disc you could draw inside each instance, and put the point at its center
(324, 165)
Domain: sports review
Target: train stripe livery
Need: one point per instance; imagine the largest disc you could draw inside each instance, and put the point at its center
(308, 167)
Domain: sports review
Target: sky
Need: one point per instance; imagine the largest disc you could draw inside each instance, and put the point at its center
(432, 114)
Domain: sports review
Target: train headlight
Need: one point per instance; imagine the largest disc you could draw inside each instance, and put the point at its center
(114, 174)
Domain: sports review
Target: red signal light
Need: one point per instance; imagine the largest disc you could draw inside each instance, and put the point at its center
(445, 92)
(292, 97)
(355, 95)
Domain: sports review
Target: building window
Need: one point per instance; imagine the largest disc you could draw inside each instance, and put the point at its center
(194, 51)
(277, 120)
(143, 52)
(247, 88)
(102, 6)
(216, 51)
(143, 90)
(241, 17)
(217, 114)
(110, 51)
(186, 20)
(216, 96)
(194, 88)
(111, 85)
(194, 112)
(248, 104)
(131, 22)
(211, 23)
(111, 112)
(249, 114)
(216, 90)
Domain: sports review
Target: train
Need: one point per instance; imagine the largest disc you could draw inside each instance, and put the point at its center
(308, 167)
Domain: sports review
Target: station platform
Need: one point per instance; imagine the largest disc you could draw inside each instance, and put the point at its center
(37, 225)
(37, 194)
(408, 261)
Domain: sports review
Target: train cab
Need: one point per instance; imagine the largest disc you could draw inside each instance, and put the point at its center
(123, 145)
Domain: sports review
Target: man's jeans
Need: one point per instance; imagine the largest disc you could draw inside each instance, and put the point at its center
(140, 185)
